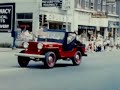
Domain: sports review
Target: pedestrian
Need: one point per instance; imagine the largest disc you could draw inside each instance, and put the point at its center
(111, 43)
(118, 43)
(16, 35)
(104, 44)
(107, 44)
(90, 46)
(94, 46)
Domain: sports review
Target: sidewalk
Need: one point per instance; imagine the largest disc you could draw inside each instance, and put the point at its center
(107, 50)
(9, 50)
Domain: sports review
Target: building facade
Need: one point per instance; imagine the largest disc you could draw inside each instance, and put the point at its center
(88, 16)
(118, 13)
(99, 14)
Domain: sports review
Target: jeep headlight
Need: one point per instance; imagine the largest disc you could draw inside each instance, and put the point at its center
(26, 44)
(40, 46)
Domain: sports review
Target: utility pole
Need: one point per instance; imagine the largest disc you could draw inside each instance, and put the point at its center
(65, 7)
(67, 21)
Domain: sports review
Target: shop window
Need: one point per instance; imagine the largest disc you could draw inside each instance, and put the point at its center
(55, 25)
(25, 25)
(24, 16)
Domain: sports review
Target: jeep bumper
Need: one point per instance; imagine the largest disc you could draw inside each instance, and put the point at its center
(30, 55)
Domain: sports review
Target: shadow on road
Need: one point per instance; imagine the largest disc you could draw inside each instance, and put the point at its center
(41, 66)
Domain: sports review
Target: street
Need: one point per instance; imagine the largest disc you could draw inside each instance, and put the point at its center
(98, 71)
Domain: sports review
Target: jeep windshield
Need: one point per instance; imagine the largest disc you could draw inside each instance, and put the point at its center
(51, 36)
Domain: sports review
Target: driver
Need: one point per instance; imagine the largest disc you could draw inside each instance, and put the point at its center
(78, 42)
(40, 32)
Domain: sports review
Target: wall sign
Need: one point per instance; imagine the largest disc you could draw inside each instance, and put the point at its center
(51, 3)
(86, 27)
(99, 15)
(7, 17)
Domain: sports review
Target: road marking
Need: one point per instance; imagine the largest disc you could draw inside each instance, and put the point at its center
(11, 69)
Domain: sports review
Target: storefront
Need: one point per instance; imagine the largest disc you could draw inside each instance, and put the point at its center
(87, 31)
(113, 28)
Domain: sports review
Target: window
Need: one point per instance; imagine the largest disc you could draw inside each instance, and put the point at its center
(24, 15)
(20, 16)
(83, 4)
(87, 4)
(104, 2)
(99, 7)
(104, 8)
(77, 3)
(71, 37)
(114, 9)
(99, 1)
(104, 5)
(109, 9)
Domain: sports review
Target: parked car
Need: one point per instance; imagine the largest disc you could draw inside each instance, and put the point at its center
(52, 46)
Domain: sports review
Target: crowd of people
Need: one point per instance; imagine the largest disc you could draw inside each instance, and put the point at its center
(98, 44)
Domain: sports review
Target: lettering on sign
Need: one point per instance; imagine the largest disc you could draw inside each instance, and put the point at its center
(5, 11)
(51, 3)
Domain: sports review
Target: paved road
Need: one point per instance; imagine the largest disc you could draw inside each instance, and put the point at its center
(98, 71)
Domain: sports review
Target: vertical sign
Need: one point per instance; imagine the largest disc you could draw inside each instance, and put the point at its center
(7, 17)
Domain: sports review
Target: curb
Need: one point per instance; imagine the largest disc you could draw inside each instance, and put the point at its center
(7, 49)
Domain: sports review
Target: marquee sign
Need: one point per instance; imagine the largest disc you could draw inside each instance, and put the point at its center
(7, 17)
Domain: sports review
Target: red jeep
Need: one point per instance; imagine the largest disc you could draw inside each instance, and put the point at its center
(52, 46)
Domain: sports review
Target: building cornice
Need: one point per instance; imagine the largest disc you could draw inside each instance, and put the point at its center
(84, 10)
(113, 15)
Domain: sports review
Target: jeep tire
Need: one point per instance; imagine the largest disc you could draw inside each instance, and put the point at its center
(23, 61)
(50, 59)
(77, 58)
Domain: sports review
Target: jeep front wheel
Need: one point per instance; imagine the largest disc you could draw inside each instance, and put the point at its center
(50, 59)
(77, 58)
(23, 61)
